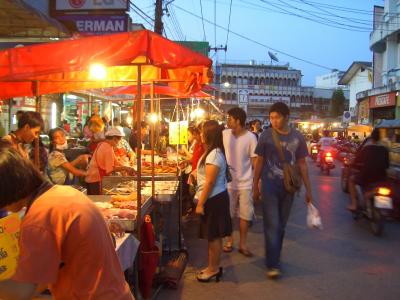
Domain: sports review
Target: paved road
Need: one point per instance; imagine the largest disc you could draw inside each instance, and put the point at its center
(343, 261)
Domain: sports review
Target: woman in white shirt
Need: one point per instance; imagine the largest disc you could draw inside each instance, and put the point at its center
(213, 199)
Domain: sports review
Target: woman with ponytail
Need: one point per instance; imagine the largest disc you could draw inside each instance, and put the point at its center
(213, 199)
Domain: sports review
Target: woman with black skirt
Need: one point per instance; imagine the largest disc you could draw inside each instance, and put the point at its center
(213, 199)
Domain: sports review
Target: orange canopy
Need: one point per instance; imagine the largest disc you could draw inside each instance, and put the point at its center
(64, 66)
(158, 89)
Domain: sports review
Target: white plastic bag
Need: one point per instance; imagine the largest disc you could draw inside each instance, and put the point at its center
(313, 217)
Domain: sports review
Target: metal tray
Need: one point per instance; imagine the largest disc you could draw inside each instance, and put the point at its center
(128, 225)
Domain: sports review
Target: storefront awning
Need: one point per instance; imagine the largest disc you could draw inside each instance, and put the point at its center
(65, 65)
(360, 128)
(20, 20)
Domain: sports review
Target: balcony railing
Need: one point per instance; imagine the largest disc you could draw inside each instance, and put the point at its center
(383, 30)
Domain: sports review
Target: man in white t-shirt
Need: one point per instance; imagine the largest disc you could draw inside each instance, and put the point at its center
(240, 145)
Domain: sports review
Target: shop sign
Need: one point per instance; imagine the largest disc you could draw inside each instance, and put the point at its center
(29, 101)
(98, 24)
(9, 250)
(178, 132)
(383, 100)
(76, 5)
(243, 97)
(363, 110)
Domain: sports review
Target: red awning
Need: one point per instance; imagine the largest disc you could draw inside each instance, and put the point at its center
(158, 89)
(64, 66)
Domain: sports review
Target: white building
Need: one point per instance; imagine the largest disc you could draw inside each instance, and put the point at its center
(329, 81)
(382, 102)
(257, 86)
(358, 78)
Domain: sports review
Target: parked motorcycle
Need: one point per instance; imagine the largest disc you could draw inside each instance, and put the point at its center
(376, 203)
(326, 164)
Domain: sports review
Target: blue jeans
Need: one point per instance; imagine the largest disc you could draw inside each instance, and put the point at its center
(276, 209)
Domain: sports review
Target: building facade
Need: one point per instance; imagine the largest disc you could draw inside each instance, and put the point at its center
(358, 78)
(383, 99)
(255, 87)
(330, 80)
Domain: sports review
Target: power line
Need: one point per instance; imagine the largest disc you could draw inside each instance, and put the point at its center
(174, 21)
(256, 42)
(215, 22)
(318, 17)
(229, 24)
(181, 35)
(135, 6)
(202, 21)
(313, 20)
(141, 16)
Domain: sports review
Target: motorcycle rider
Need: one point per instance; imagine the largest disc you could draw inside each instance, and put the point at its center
(372, 161)
(325, 144)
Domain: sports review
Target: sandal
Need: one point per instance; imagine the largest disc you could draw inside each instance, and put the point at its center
(228, 248)
(246, 252)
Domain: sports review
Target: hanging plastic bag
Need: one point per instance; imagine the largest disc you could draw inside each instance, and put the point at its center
(313, 217)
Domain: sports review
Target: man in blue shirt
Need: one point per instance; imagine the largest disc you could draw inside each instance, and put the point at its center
(276, 201)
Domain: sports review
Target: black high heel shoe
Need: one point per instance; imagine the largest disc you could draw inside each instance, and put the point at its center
(202, 278)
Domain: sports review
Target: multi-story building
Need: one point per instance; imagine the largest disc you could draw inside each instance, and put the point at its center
(330, 80)
(256, 87)
(383, 101)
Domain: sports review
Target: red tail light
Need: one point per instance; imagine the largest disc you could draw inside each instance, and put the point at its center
(384, 191)
(328, 154)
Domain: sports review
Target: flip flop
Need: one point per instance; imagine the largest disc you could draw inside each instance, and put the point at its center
(228, 248)
(245, 252)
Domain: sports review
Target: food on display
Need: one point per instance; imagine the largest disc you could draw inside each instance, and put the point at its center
(124, 198)
(160, 169)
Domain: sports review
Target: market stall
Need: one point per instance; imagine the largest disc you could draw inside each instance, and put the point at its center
(130, 58)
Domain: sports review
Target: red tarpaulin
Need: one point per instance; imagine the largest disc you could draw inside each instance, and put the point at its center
(158, 89)
(64, 66)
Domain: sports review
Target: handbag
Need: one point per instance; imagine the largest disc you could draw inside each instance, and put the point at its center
(291, 173)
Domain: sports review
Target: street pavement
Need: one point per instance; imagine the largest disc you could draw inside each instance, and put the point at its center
(342, 261)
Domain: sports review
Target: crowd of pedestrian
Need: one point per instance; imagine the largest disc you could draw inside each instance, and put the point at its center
(227, 168)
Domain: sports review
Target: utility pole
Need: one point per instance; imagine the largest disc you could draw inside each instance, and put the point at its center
(220, 48)
(158, 24)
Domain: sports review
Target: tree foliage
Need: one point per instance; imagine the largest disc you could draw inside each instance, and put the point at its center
(337, 103)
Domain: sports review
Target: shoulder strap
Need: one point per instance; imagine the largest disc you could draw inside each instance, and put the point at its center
(278, 146)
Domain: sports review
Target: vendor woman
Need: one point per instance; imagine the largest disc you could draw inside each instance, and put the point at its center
(59, 170)
(104, 162)
(64, 242)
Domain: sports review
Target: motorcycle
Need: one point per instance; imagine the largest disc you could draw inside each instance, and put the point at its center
(376, 203)
(314, 152)
(326, 163)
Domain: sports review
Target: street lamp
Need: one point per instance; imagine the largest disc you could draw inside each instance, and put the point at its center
(97, 71)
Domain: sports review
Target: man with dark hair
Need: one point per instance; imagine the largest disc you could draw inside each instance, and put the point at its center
(29, 127)
(276, 200)
(240, 144)
(238, 114)
(64, 242)
(144, 131)
(371, 161)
